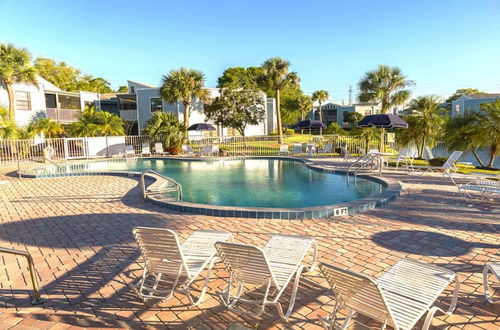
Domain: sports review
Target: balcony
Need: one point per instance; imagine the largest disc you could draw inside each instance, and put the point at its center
(128, 115)
(63, 115)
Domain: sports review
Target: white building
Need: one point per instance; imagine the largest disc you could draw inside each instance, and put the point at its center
(46, 100)
(148, 101)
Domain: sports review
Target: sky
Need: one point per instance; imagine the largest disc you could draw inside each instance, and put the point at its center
(441, 45)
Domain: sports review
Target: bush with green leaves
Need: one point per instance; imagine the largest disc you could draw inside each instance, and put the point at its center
(165, 126)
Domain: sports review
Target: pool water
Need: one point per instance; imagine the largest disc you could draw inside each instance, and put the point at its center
(255, 182)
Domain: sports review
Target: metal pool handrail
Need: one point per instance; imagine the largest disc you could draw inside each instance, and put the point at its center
(362, 162)
(177, 186)
(36, 289)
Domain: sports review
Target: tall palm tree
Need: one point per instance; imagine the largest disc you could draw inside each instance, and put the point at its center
(15, 67)
(386, 86)
(184, 85)
(108, 124)
(320, 96)
(430, 119)
(50, 128)
(276, 77)
(305, 105)
(489, 121)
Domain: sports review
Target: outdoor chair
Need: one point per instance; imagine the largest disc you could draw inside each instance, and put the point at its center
(170, 265)
(129, 150)
(186, 149)
(428, 153)
(405, 155)
(209, 150)
(447, 167)
(326, 149)
(399, 298)
(145, 150)
(271, 267)
(494, 269)
(283, 149)
(345, 154)
(297, 148)
(159, 149)
(486, 188)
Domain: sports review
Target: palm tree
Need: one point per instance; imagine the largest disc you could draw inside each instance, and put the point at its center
(305, 105)
(430, 119)
(184, 85)
(164, 125)
(86, 124)
(276, 77)
(320, 96)
(7, 127)
(489, 121)
(15, 67)
(50, 128)
(385, 86)
(108, 124)
(465, 133)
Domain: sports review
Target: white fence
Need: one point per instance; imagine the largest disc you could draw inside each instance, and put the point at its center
(95, 147)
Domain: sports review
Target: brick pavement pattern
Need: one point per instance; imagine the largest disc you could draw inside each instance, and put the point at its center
(79, 232)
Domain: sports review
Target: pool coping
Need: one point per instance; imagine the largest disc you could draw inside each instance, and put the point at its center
(392, 190)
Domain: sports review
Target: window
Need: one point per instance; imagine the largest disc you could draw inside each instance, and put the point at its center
(155, 103)
(132, 89)
(457, 109)
(23, 101)
(368, 112)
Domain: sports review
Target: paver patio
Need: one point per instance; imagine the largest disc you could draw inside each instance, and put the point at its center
(78, 230)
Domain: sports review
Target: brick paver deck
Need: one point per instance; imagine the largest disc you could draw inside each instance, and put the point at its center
(78, 230)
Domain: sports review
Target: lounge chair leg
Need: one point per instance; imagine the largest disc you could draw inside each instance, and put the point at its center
(285, 317)
(193, 300)
(454, 300)
(487, 293)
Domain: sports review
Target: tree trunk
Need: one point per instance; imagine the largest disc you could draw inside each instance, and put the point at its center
(382, 144)
(494, 150)
(422, 148)
(186, 120)
(474, 152)
(320, 119)
(278, 116)
(12, 111)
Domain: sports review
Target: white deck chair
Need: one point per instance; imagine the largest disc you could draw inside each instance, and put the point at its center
(447, 167)
(215, 150)
(169, 264)
(186, 149)
(405, 155)
(129, 150)
(428, 153)
(345, 154)
(146, 151)
(283, 149)
(273, 266)
(487, 188)
(494, 268)
(399, 298)
(159, 149)
(206, 150)
(297, 148)
(327, 149)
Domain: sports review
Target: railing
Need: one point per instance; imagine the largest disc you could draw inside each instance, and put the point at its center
(63, 115)
(361, 162)
(128, 115)
(168, 186)
(34, 281)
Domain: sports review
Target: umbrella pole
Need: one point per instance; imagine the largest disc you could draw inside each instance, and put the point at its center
(382, 144)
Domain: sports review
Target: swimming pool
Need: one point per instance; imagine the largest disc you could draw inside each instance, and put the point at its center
(263, 183)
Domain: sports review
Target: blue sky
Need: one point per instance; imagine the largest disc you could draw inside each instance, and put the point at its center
(442, 45)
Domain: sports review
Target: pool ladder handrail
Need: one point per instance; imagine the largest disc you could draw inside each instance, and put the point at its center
(363, 161)
(177, 186)
(31, 266)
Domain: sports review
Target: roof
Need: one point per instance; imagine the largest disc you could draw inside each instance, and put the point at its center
(108, 96)
(482, 96)
(133, 82)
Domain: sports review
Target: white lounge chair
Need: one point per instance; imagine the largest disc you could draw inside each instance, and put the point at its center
(399, 298)
(326, 149)
(169, 265)
(494, 269)
(345, 154)
(159, 149)
(273, 266)
(129, 150)
(283, 149)
(447, 167)
(186, 149)
(297, 148)
(428, 153)
(209, 150)
(405, 155)
(486, 188)
(145, 150)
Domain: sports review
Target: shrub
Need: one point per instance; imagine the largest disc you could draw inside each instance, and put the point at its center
(289, 131)
(174, 150)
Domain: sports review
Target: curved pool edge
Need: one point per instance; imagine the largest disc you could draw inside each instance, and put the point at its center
(392, 190)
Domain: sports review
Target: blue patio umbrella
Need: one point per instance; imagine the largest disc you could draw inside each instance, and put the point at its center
(309, 123)
(383, 121)
(201, 127)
